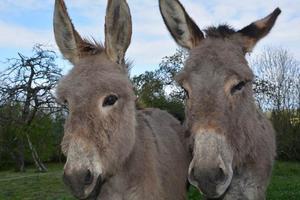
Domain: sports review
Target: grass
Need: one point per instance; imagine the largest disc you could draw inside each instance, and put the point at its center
(31, 185)
(285, 184)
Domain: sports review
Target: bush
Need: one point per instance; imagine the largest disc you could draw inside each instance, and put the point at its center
(287, 127)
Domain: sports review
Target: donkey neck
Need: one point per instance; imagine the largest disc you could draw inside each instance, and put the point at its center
(137, 174)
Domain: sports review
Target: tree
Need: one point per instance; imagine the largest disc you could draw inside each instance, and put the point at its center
(168, 69)
(159, 89)
(277, 88)
(277, 82)
(27, 86)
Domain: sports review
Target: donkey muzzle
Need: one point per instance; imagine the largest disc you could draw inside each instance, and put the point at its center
(83, 184)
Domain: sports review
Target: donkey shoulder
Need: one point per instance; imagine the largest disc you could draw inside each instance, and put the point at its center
(162, 126)
(163, 136)
(159, 119)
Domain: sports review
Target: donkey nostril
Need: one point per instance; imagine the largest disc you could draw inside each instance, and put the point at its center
(88, 178)
(220, 176)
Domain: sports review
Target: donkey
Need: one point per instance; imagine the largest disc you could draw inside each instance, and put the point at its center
(232, 142)
(114, 152)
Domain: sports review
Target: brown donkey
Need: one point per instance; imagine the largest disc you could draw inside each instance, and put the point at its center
(233, 143)
(114, 152)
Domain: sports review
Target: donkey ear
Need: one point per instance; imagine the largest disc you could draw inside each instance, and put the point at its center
(258, 29)
(118, 30)
(67, 38)
(181, 26)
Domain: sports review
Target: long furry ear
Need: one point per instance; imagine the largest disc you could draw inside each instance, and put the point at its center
(67, 38)
(255, 31)
(181, 26)
(118, 30)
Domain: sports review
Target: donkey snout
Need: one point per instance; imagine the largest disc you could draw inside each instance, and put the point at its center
(83, 183)
(210, 181)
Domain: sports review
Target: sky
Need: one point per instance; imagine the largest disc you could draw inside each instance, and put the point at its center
(24, 23)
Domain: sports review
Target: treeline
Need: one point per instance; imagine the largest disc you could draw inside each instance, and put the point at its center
(31, 122)
(277, 89)
(30, 119)
(45, 132)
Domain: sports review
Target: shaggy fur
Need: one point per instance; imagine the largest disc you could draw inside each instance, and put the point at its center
(136, 154)
(227, 130)
(222, 31)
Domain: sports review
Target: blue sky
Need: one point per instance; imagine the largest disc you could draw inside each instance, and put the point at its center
(26, 22)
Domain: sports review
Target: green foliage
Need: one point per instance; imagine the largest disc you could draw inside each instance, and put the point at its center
(158, 89)
(287, 126)
(149, 89)
(46, 132)
(27, 107)
(151, 93)
(9, 132)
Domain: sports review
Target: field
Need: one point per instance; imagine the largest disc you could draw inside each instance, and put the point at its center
(48, 186)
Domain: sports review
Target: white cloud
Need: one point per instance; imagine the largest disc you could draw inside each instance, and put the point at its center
(15, 36)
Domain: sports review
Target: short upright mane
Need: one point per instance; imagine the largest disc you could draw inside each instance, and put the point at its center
(221, 31)
(91, 47)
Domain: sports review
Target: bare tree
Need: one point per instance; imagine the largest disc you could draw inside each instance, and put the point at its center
(277, 83)
(29, 82)
(277, 88)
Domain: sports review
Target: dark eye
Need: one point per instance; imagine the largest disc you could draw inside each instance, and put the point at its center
(110, 100)
(238, 87)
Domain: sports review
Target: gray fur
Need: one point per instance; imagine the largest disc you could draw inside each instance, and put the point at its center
(214, 67)
(138, 154)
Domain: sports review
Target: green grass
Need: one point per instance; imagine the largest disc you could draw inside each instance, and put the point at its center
(32, 185)
(285, 184)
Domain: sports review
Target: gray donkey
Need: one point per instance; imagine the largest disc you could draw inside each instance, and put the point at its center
(114, 152)
(233, 143)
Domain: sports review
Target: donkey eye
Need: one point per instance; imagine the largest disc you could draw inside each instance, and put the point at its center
(238, 87)
(110, 100)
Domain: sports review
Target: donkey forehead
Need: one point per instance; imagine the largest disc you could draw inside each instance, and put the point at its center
(217, 53)
(94, 78)
(216, 59)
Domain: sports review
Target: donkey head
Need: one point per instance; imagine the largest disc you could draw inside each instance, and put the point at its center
(100, 129)
(217, 80)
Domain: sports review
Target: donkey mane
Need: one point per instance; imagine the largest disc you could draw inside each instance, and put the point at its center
(91, 47)
(221, 31)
